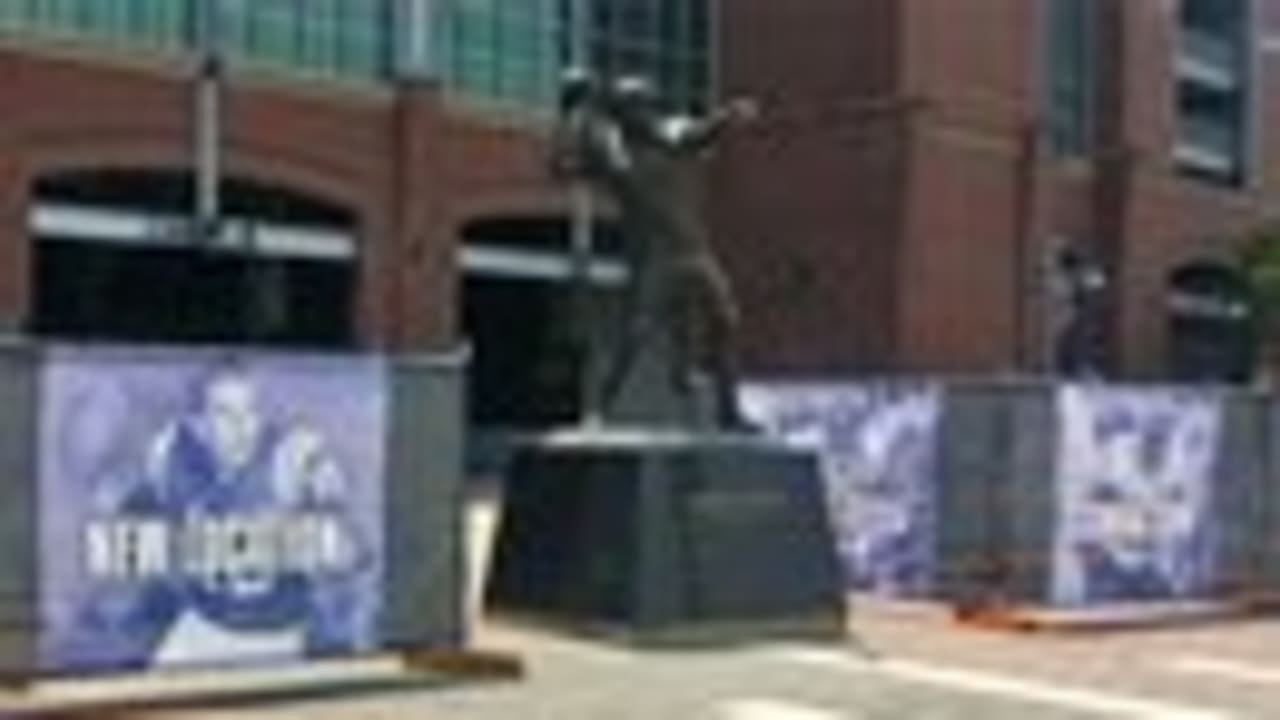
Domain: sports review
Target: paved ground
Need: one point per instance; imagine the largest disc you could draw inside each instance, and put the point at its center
(920, 669)
(902, 666)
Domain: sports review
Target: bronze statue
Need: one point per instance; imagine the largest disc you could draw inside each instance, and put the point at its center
(617, 139)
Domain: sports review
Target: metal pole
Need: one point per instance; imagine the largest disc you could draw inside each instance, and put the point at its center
(583, 242)
(210, 82)
(582, 203)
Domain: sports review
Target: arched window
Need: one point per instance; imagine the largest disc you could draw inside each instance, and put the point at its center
(116, 260)
(1211, 324)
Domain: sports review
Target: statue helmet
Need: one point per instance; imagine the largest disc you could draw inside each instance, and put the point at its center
(635, 90)
(576, 86)
(634, 99)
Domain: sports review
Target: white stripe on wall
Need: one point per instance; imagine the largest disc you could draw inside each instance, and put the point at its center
(135, 228)
(522, 264)
(142, 229)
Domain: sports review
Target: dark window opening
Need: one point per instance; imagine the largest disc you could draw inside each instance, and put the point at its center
(1212, 334)
(1070, 68)
(1220, 17)
(525, 362)
(527, 352)
(534, 233)
(91, 284)
(95, 292)
(174, 193)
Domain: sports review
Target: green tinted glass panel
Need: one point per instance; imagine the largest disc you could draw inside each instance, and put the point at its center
(665, 40)
(148, 24)
(341, 38)
(347, 38)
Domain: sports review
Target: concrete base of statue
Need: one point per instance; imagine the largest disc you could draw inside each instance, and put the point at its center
(656, 534)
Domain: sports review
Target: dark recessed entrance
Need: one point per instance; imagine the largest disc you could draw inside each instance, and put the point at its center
(517, 310)
(114, 262)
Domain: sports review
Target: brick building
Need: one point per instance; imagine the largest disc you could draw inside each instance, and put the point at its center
(386, 183)
(925, 160)
(384, 163)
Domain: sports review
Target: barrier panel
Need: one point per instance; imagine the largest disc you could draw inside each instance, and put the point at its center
(180, 508)
(1268, 543)
(1042, 495)
(993, 444)
(1244, 496)
(1134, 482)
(878, 453)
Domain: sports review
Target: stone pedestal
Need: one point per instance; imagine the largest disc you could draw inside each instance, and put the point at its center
(649, 533)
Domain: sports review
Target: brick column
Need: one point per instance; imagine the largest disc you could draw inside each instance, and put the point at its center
(1033, 227)
(14, 240)
(425, 277)
(374, 292)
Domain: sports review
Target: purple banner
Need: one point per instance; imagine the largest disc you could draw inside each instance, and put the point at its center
(199, 508)
(877, 446)
(1135, 471)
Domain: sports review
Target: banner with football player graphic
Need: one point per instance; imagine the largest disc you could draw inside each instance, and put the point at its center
(1134, 483)
(878, 451)
(202, 509)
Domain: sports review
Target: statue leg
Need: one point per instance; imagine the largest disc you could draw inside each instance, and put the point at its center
(681, 309)
(725, 373)
(624, 352)
(711, 320)
(723, 321)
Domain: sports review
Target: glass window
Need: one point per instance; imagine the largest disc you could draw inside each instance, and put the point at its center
(501, 51)
(511, 52)
(1214, 16)
(149, 24)
(665, 40)
(1213, 93)
(1070, 67)
(341, 38)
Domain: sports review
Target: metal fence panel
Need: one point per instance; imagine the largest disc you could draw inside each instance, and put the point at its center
(425, 578)
(1242, 496)
(1030, 502)
(973, 462)
(18, 530)
(879, 445)
(1268, 542)
(419, 516)
(1134, 486)
(1039, 486)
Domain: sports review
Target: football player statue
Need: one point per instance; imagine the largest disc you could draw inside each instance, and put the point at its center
(619, 140)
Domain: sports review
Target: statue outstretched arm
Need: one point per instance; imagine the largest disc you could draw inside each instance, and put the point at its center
(696, 134)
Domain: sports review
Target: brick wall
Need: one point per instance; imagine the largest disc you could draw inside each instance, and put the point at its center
(936, 241)
(806, 204)
(402, 161)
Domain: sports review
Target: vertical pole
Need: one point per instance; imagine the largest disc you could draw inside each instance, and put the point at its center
(208, 129)
(413, 28)
(583, 239)
(583, 242)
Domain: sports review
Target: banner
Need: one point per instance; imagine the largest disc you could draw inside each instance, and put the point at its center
(877, 446)
(1134, 484)
(201, 509)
